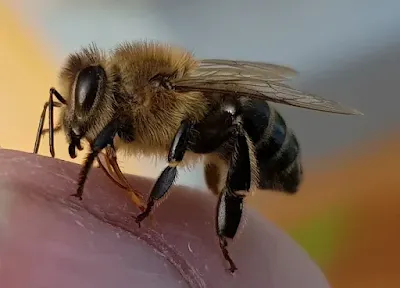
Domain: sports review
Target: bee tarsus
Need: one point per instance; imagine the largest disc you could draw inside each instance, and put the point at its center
(223, 244)
(145, 213)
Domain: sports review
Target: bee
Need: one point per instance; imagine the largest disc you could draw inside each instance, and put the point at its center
(156, 99)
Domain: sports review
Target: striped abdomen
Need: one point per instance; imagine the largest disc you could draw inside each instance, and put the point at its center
(277, 149)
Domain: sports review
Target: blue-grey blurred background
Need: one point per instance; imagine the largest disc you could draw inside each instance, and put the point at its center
(344, 50)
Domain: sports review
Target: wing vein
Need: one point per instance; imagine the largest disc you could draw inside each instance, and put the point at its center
(255, 80)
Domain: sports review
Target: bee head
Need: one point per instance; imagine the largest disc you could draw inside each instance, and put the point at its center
(89, 86)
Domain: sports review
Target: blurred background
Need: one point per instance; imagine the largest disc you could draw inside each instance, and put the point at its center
(346, 214)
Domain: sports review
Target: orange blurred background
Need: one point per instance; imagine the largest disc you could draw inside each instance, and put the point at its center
(345, 215)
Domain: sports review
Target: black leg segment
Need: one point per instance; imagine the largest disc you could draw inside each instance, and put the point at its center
(75, 143)
(230, 204)
(104, 139)
(50, 104)
(167, 178)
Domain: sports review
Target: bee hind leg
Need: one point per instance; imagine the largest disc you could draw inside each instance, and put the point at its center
(167, 178)
(230, 202)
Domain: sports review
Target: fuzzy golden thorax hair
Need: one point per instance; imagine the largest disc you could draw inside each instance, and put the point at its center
(156, 111)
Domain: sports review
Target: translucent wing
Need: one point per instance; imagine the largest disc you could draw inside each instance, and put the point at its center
(255, 80)
(271, 71)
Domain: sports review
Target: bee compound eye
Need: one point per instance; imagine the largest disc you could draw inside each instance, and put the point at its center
(88, 84)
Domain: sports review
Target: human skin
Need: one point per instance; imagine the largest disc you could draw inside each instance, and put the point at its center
(50, 239)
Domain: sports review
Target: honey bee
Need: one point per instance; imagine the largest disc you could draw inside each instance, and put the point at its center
(156, 99)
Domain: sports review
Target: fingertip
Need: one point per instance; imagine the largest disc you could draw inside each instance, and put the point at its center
(180, 250)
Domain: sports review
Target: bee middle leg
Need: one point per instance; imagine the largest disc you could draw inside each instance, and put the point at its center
(168, 176)
(209, 135)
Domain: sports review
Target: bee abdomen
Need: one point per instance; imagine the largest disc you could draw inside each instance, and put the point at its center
(276, 147)
(282, 171)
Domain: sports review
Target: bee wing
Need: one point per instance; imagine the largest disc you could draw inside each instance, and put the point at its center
(255, 80)
(271, 71)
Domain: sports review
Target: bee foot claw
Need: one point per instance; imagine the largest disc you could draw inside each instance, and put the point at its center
(140, 218)
(138, 221)
(232, 270)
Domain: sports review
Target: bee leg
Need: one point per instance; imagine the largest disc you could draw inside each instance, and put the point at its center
(56, 129)
(104, 139)
(168, 176)
(107, 169)
(115, 174)
(50, 104)
(230, 203)
(42, 131)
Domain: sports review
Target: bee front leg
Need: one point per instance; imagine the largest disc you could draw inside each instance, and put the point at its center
(115, 174)
(230, 203)
(104, 139)
(168, 176)
(49, 104)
